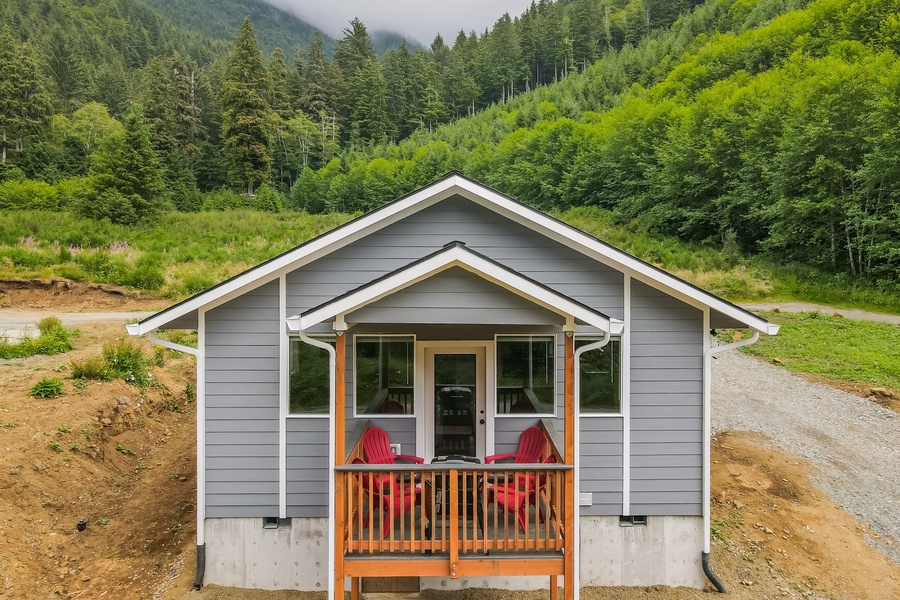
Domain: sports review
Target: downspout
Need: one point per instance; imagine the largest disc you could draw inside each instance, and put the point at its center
(200, 567)
(576, 517)
(707, 470)
(331, 457)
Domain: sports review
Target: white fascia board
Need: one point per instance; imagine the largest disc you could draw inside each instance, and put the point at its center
(565, 234)
(452, 257)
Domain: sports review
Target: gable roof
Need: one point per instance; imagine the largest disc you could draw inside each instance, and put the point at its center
(454, 254)
(452, 184)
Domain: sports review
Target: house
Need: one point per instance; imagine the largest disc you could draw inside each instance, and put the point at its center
(454, 319)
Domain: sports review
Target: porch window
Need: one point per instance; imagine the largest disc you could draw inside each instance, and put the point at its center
(600, 377)
(385, 372)
(526, 374)
(309, 377)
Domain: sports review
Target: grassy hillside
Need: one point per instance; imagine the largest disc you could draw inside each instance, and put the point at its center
(185, 253)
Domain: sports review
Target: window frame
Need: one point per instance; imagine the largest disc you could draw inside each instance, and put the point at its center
(328, 338)
(596, 337)
(556, 371)
(366, 415)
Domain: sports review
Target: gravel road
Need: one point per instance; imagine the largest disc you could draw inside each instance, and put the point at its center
(16, 324)
(853, 444)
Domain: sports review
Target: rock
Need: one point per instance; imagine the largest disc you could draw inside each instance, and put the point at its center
(837, 315)
(777, 361)
(123, 400)
(106, 421)
(883, 392)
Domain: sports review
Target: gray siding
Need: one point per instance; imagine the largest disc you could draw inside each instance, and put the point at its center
(307, 467)
(666, 404)
(457, 219)
(455, 296)
(242, 375)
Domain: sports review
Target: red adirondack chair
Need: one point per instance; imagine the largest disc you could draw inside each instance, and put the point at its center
(392, 498)
(517, 497)
(376, 445)
(531, 447)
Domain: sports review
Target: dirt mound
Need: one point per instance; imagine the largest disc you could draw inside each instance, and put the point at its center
(65, 295)
(119, 457)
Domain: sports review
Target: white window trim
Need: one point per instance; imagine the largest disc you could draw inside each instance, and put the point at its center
(555, 412)
(287, 380)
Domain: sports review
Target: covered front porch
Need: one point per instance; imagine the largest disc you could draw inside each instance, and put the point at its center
(461, 317)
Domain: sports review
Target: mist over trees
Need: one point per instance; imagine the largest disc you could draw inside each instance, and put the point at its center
(761, 127)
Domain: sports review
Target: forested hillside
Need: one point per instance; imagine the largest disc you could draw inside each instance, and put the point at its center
(759, 126)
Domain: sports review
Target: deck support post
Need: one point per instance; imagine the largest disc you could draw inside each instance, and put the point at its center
(340, 453)
(554, 587)
(569, 582)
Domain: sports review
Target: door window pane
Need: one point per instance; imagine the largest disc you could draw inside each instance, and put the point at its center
(600, 377)
(454, 403)
(310, 377)
(385, 369)
(526, 374)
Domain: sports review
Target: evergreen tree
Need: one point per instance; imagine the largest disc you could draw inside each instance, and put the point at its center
(279, 96)
(128, 177)
(65, 65)
(367, 101)
(24, 104)
(245, 113)
(296, 85)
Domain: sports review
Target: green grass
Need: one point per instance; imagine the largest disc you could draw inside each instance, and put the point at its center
(834, 347)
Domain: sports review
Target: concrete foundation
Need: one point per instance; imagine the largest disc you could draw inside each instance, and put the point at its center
(666, 551)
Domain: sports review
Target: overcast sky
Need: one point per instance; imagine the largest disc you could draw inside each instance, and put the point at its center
(418, 19)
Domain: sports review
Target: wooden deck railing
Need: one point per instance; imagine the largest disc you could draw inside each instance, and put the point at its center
(453, 508)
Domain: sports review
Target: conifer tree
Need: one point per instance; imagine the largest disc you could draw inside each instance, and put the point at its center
(24, 104)
(245, 113)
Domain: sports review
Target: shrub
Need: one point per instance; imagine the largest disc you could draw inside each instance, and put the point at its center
(93, 368)
(28, 194)
(53, 339)
(125, 360)
(48, 387)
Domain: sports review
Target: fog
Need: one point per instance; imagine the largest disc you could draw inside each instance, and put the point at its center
(419, 20)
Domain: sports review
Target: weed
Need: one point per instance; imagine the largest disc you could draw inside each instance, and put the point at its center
(74, 447)
(48, 387)
(54, 445)
(190, 393)
(93, 368)
(140, 468)
(8, 425)
(102, 521)
(175, 528)
(86, 433)
(53, 339)
(124, 450)
(159, 356)
(62, 427)
(126, 360)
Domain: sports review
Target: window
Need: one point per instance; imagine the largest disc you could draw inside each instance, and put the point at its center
(526, 374)
(310, 378)
(600, 377)
(385, 370)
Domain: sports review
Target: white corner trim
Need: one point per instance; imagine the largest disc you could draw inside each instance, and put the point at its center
(283, 396)
(625, 349)
(201, 427)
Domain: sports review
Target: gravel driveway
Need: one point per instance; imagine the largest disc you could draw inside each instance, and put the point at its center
(853, 444)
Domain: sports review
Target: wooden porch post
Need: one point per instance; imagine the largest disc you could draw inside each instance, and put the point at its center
(340, 453)
(569, 582)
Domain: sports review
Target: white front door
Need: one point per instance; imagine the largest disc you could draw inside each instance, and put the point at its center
(455, 391)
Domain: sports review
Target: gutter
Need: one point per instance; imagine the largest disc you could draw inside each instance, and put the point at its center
(332, 365)
(707, 432)
(577, 479)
